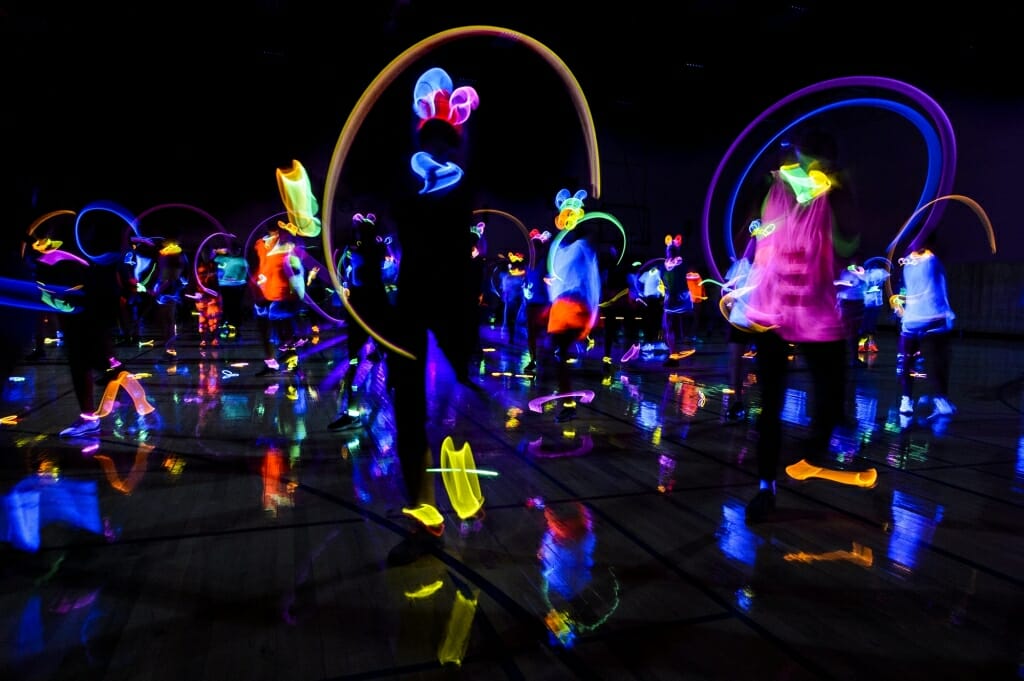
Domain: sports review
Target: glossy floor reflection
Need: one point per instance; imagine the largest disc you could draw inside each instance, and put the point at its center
(230, 535)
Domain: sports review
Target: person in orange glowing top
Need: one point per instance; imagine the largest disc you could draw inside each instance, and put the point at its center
(280, 287)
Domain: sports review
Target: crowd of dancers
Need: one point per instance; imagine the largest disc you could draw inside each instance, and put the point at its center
(789, 294)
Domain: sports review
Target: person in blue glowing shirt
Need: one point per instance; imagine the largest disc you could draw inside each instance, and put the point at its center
(926, 323)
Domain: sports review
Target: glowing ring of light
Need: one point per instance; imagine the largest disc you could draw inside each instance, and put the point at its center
(518, 223)
(931, 140)
(195, 264)
(249, 243)
(939, 117)
(110, 207)
(388, 76)
(561, 235)
(40, 220)
(971, 203)
(195, 209)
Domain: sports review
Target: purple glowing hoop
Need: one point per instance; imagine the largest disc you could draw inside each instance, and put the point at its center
(939, 117)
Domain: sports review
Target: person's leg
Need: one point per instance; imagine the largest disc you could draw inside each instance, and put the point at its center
(613, 324)
(827, 364)
(772, 365)
(909, 344)
(940, 358)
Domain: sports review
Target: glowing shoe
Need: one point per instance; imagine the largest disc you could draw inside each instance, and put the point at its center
(81, 427)
(942, 408)
(906, 406)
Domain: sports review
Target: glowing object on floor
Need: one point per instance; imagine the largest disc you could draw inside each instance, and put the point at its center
(461, 478)
(139, 467)
(426, 514)
(584, 396)
(802, 470)
(132, 387)
(425, 591)
(387, 76)
(858, 555)
(11, 420)
(453, 646)
(41, 500)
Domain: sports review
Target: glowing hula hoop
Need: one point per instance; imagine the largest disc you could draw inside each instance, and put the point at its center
(212, 220)
(388, 76)
(199, 253)
(518, 223)
(930, 136)
(40, 220)
(303, 255)
(586, 216)
(948, 142)
(971, 203)
(110, 207)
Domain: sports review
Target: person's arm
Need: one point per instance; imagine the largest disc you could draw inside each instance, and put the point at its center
(296, 276)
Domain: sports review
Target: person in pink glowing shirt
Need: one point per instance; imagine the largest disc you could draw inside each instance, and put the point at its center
(792, 302)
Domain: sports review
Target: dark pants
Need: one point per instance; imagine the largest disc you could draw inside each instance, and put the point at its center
(938, 356)
(416, 317)
(827, 364)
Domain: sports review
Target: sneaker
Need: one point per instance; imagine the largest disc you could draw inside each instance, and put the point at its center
(82, 426)
(530, 367)
(942, 407)
(565, 414)
(761, 507)
(420, 542)
(345, 422)
(170, 353)
(906, 406)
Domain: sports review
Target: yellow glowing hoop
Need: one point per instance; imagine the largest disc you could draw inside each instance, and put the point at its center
(970, 203)
(388, 76)
(518, 223)
(40, 220)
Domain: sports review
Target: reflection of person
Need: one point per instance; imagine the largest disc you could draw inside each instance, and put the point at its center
(926, 324)
(436, 263)
(793, 298)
